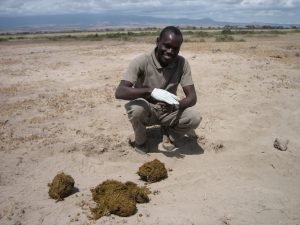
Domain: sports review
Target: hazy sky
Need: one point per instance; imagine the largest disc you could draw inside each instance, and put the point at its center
(274, 11)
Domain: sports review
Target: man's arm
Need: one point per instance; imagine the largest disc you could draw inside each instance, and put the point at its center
(126, 92)
(190, 99)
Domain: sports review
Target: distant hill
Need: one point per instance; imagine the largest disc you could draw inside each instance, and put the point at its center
(92, 21)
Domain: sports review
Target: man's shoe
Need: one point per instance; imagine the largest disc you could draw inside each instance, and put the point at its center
(142, 149)
(168, 144)
(192, 134)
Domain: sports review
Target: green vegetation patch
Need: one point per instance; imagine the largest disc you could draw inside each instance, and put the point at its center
(61, 186)
(224, 38)
(153, 171)
(191, 34)
(124, 36)
(114, 197)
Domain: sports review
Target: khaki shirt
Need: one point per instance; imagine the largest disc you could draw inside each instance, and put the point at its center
(146, 71)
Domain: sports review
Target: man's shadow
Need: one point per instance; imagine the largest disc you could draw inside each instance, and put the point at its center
(185, 145)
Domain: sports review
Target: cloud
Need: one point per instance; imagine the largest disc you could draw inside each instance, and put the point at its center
(270, 3)
(228, 10)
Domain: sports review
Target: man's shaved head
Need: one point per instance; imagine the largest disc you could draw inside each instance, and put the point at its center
(170, 29)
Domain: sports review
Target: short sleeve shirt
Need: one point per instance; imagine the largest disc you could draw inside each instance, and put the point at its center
(146, 71)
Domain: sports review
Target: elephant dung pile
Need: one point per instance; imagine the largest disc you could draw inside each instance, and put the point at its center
(114, 197)
(61, 186)
(153, 171)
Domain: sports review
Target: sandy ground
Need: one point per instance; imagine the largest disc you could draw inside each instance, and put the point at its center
(58, 113)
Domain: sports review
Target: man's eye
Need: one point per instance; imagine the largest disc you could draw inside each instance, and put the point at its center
(170, 47)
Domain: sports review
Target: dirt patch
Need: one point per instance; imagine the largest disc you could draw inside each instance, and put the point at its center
(61, 186)
(67, 119)
(153, 171)
(114, 197)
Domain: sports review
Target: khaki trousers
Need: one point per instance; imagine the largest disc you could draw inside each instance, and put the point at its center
(141, 114)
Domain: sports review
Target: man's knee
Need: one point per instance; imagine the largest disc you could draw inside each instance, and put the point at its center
(136, 112)
(196, 120)
(136, 109)
(193, 119)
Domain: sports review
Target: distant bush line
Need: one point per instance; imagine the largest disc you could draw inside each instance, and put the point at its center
(223, 35)
(125, 36)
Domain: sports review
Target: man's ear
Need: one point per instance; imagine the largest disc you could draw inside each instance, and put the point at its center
(157, 41)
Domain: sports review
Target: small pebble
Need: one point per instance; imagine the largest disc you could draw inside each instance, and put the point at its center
(280, 145)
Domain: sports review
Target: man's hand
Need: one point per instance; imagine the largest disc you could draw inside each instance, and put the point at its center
(164, 96)
(163, 107)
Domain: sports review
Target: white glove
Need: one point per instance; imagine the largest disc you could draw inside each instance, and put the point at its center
(164, 96)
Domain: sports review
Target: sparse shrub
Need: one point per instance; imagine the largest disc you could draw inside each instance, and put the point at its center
(202, 34)
(224, 38)
(188, 32)
(244, 32)
(186, 40)
(226, 31)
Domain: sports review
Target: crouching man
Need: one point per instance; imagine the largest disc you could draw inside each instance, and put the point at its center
(150, 83)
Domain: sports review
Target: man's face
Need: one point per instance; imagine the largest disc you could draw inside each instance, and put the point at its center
(168, 48)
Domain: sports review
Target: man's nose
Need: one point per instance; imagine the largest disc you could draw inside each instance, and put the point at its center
(170, 51)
